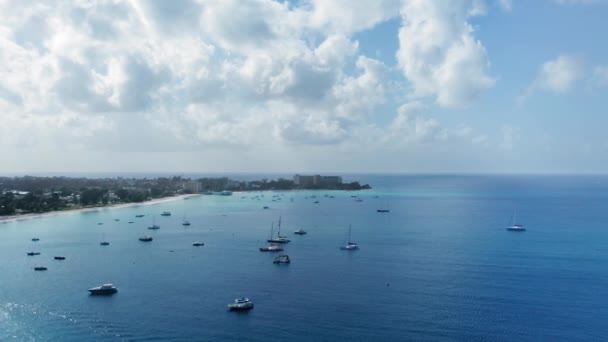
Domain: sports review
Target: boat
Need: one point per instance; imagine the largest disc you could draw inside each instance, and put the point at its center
(59, 258)
(130, 222)
(279, 238)
(265, 207)
(515, 227)
(300, 231)
(225, 193)
(383, 210)
(116, 220)
(166, 213)
(139, 215)
(282, 259)
(146, 238)
(241, 304)
(35, 239)
(198, 244)
(105, 289)
(349, 246)
(33, 253)
(271, 248)
(103, 241)
(185, 222)
(316, 202)
(358, 200)
(40, 268)
(100, 223)
(154, 225)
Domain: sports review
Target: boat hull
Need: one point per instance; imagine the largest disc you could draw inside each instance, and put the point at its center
(105, 292)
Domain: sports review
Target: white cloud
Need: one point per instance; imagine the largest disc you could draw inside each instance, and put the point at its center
(506, 5)
(510, 136)
(599, 77)
(439, 54)
(581, 2)
(558, 76)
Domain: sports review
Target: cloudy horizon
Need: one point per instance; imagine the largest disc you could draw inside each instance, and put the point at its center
(391, 86)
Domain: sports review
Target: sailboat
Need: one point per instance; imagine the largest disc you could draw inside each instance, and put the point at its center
(515, 226)
(103, 240)
(349, 246)
(185, 222)
(154, 225)
(279, 238)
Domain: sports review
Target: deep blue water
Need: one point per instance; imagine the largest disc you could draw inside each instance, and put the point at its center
(439, 266)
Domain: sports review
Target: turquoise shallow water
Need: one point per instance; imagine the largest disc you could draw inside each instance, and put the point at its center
(439, 266)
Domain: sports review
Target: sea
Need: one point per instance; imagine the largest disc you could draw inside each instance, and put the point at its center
(440, 266)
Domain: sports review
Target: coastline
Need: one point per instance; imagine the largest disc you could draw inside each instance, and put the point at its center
(31, 216)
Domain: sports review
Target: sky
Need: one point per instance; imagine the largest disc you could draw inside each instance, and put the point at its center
(385, 86)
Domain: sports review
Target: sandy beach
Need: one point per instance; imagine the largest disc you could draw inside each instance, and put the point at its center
(21, 217)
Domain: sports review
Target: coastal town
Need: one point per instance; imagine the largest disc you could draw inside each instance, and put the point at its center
(28, 194)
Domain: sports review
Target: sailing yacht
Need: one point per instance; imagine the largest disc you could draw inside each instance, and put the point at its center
(154, 225)
(349, 246)
(185, 222)
(279, 238)
(515, 227)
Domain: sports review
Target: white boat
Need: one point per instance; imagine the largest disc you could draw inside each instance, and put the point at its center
(300, 231)
(282, 259)
(280, 238)
(241, 304)
(515, 227)
(349, 246)
(198, 244)
(105, 289)
(154, 225)
(271, 248)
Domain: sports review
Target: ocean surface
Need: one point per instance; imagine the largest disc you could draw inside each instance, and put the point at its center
(439, 267)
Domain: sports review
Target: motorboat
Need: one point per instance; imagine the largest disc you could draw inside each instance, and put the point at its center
(186, 223)
(266, 207)
(282, 259)
(59, 258)
(105, 289)
(198, 244)
(104, 243)
(300, 231)
(139, 215)
(35, 239)
(40, 268)
(33, 253)
(166, 213)
(383, 210)
(146, 238)
(241, 304)
(271, 248)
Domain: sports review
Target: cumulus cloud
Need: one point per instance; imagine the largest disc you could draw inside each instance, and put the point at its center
(439, 54)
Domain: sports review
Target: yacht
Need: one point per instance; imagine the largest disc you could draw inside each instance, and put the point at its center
(33, 253)
(300, 231)
(105, 289)
(349, 246)
(186, 223)
(154, 225)
(279, 238)
(104, 243)
(139, 215)
(282, 259)
(59, 258)
(40, 268)
(271, 248)
(515, 227)
(35, 239)
(241, 304)
(166, 213)
(146, 238)
(198, 244)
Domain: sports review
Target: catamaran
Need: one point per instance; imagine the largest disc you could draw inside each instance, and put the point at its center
(279, 238)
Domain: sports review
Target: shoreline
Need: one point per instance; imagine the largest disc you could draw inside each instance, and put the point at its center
(31, 216)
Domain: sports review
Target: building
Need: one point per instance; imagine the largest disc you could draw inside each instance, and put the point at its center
(193, 187)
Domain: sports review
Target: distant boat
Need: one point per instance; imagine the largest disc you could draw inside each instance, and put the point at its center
(271, 248)
(146, 238)
(282, 259)
(154, 225)
(166, 213)
(300, 231)
(198, 244)
(59, 258)
(35, 239)
(105, 289)
(225, 193)
(130, 221)
(103, 241)
(358, 200)
(33, 253)
(116, 220)
(383, 210)
(279, 238)
(185, 222)
(139, 215)
(266, 207)
(515, 227)
(316, 202)
(100, 223)
(241, 304)
(349, 246)
(40, 268)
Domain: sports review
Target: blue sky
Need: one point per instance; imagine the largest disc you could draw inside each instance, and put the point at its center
(393, 86)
